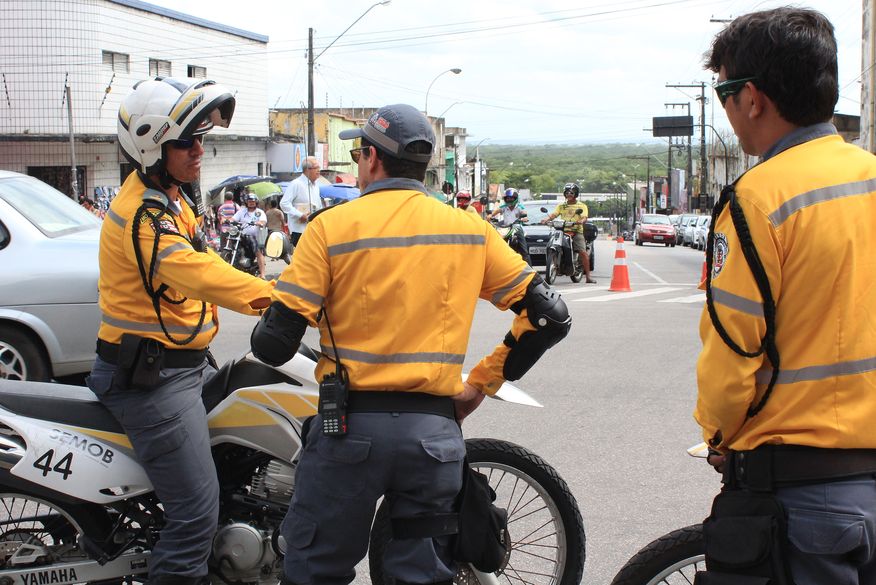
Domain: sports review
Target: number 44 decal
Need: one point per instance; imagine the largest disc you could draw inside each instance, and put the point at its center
(44, 463)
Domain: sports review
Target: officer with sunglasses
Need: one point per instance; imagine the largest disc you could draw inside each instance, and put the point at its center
(159, 285)
(786, 378)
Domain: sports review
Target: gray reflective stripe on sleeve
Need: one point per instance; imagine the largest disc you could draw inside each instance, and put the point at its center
(500, 294)
(302, 293)
(814, 373)
(728, 299)
(407, 242)
(821, 195)
(153, 327)
(423, 357)
(117, 219)
(168, 251)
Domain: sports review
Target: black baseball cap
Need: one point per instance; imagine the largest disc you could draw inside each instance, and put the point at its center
(393, 128)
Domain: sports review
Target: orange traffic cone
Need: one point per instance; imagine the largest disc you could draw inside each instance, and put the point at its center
(705, 271)
(620, 277)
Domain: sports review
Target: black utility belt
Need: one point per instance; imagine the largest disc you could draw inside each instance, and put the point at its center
(393, 401)
(769, 466)
(170, 358)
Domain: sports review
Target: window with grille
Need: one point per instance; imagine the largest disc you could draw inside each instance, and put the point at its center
(159, 68)
(197, 71)
(118, 62)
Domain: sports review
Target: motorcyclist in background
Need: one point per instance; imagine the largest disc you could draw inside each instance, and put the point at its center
(251, 214)
(512, 215)
(463, 202)
(568, 212)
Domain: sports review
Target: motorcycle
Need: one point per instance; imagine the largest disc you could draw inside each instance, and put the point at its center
(78, 507)
(560, 257)
(239, 253)
(674, 557)
(514, 237)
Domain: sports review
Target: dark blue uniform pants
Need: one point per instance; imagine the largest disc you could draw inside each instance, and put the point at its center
(414, 458)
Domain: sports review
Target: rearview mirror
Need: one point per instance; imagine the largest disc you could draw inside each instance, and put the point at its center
(579, 211)
(543, 209)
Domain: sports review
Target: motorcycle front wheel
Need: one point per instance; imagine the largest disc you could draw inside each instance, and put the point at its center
(44, 533)
(544, 523)
(552, 266)
(672, 559)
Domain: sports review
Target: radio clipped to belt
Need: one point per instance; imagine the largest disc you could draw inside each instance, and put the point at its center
(139, 362)
(334, 391)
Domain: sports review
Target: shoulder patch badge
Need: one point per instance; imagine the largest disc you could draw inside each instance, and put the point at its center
(720, 254)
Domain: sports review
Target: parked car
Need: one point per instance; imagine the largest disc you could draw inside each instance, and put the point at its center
(655, 228)
(48, 286)
(687, 236)
(681, 224)
(701, 232)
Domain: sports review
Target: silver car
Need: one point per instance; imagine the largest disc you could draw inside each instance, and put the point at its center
(48, 281)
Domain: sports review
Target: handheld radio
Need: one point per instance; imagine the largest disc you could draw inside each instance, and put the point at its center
(333, 393)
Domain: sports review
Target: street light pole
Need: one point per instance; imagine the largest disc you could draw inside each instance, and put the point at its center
(455, 71)
(478, 170)
(311, 131)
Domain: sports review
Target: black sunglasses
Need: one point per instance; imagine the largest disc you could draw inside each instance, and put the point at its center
(186, 144)
(730, 87)
(355, 153)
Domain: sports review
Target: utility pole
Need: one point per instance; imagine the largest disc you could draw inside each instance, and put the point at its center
(689, 154)
(311, 132)
(702, 99)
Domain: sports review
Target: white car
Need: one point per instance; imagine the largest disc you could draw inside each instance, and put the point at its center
(48, 285)
(701, 232)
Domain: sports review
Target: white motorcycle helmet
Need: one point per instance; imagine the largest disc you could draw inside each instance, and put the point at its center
(163, 109)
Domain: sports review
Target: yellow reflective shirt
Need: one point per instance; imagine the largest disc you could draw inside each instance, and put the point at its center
(811, 211)
(125, 305)
(566, 212)
(400, 274)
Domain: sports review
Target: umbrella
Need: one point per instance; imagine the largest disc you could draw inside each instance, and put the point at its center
(237, 181)
(265, 189)
(338, 192)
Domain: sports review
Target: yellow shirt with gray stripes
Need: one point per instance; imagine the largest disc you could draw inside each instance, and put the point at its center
(400, 274)
(125, 305)
(811, 211)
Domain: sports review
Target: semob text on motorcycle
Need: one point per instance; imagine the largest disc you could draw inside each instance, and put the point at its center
(515, 237)
(78, 507)
(239, 252)
(560, 257)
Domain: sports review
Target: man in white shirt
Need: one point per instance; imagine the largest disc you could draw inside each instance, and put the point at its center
(302, 198)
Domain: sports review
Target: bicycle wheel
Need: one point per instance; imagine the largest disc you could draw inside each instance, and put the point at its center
(672, 559)
(544, 523)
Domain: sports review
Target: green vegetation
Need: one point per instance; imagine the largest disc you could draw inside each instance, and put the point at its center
(597, 168)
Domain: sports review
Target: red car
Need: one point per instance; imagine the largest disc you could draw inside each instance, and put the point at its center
(656, 229)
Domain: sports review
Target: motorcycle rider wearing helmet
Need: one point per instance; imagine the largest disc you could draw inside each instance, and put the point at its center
(394, 296)
(251, 214)
(463, 201)
(512, 215)
(567, 211)
(159, 286)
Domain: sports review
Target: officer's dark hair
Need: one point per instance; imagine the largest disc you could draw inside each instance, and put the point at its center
(792, 54)
(399, 167)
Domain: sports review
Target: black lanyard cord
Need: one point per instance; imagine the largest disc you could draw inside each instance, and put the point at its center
(749, 250)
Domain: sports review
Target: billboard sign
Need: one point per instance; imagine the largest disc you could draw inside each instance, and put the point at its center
(664, 126)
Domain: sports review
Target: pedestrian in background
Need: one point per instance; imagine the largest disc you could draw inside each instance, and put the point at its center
(786, 378)
(302, 198)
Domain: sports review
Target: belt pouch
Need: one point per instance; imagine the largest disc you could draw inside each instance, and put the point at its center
(746, 539)
(140, 361)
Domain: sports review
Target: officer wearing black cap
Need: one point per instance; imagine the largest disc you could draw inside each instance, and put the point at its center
(392, 280)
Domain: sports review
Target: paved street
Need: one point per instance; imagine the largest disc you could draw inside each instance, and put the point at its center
(618, 394)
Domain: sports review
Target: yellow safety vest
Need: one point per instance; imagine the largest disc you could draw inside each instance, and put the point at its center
(811, 210)
(400, 274)
(196, 276)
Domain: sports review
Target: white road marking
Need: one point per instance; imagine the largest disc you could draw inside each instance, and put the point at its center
(568, 291)
(697, 298)
(649, 273)
(626, 295)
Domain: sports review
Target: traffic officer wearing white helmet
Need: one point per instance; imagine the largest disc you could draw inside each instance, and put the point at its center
(159, 286)
(394, 295)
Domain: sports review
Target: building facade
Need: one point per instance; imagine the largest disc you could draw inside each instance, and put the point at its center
(67, 65)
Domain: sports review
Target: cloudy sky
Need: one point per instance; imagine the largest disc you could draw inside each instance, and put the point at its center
(553, 71)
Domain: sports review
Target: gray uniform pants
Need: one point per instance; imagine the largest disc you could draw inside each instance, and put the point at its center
(167, 427)
(415, 459)
(832, 529)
